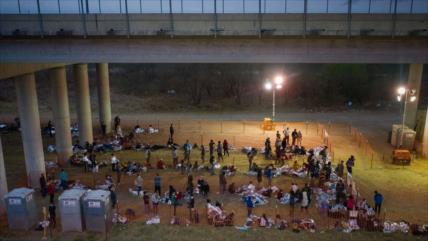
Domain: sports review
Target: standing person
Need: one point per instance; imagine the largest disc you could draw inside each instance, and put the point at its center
(278, 135)
(350, 164)
(202, 153)
(378, 199)
(113, 197)
(277, 150)
(174, 157)
(148, 154)
(51, 190)
(146, 200)
(187, 148)
(305, 200)
(292, 202)
(52, 214)
(155, 202)
(50, 128)
(222, 180)
(287, 136)
(157, 181)
(114, 163)
(339, 169)
(138, 182)
(293, 137)
(299, 138)
(211, 147)
(171, 131)
(86, 162)
(212, 161)
(250, 156)
(191, 206)
(268, 148)
(219, 151)
(116, 122)
(63, 178)
(259, 176)
(250, 205)
(226, 147)
(284, 143)
(269, 175)
(43, 185)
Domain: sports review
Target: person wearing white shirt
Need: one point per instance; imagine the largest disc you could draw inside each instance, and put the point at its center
(86, 161)
(114, 163)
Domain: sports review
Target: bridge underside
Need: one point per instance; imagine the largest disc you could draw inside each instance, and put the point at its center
(212, 50)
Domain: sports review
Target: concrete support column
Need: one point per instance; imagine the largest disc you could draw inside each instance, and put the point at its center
(104, 96)
(84, 114)
(3, 180)
(414, 82)
(425, 137)
(30, 127)
(61, 113)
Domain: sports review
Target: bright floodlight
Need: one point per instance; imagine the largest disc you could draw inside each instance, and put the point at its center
(279, 79)
(401, 90)
(278, 87)
(268, 86)
(412, 98)
(399, 98)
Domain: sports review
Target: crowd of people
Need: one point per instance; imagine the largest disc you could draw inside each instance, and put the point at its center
(318, 168)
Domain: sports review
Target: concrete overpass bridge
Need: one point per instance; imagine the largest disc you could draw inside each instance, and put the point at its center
(40, 41)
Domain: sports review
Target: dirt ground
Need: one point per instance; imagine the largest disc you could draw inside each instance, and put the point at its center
(405, 188)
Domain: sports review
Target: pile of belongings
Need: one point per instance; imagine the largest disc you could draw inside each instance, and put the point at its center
(257, 198)
(286, 170)
(51, 164)
(218, 217)
(323, 199)
(51, 148)
(285, 199)
(350, 225)
(419, 229)
(392, 227)
(153, 220)
(306, 224)
(135, 192)
(117, 218)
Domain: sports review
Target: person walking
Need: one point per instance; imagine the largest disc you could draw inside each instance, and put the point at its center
(378, 199)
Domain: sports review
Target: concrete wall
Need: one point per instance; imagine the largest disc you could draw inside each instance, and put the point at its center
(202, 24)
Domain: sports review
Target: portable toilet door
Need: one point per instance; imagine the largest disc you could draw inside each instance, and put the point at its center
(71, 208)
(97, 210)
(21, 209)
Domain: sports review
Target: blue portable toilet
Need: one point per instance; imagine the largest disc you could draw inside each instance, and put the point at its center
(21, 208)
(97, 210)
(71, 208)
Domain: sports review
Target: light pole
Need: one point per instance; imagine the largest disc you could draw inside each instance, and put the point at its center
(274, 85)
(409, 95)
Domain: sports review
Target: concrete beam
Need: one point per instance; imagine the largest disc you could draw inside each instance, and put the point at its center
(84, 114)
(61, 113)
(3, 180)
(104, 96)
(210, 50)
(30, 128)
(413, 82)
(13, 69)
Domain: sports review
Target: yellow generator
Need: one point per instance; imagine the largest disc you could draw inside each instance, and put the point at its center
(268, 124)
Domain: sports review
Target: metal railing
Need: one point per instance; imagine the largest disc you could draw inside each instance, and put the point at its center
(213, 6)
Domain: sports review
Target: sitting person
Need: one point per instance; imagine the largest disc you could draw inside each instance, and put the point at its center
(203, 186)
(281, 224)
(148, 165)
(160, 164)
(265, 222)
(77, 185)
(151, 130)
